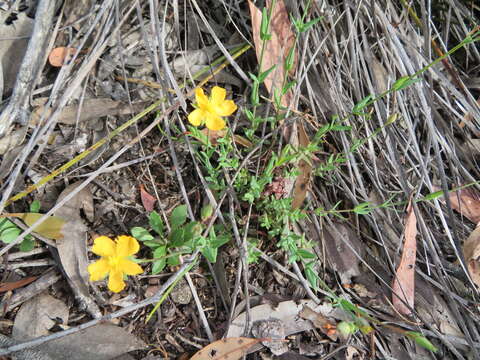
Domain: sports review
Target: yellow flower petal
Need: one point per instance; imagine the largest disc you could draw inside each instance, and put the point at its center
(201, 98)
(214, 122)
(103, 246)
(227, 108)
(126, 246)
(115, 281)
(129, 267)
(196, 117)
(98, 270)
(218, 96)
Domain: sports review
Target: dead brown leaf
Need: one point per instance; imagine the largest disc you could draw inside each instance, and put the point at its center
(61, 55)
(471, 252)
(403, 287)
(38, 315)
(72, 249)
(148, 201)
(344, 251)
(303, 179)
(466, 202)
(8, 286)
(321, 322)
(100, 342)
(230, 348)
(276, 49)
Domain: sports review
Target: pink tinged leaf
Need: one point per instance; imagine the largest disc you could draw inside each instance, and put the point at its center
(404, 283)
(148, 201)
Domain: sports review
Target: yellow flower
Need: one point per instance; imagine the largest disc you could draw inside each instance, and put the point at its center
(210, 110)
(114, 260)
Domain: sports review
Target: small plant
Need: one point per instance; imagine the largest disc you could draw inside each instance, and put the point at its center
(184, 238)
(9, 231)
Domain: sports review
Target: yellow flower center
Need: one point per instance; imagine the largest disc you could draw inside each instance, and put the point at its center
(114, 261)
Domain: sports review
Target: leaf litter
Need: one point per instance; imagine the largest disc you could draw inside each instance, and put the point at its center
(347, 56)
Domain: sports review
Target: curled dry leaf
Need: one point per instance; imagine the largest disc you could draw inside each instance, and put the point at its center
(471, 252)
(230, 348)
(403, 286)
(61, 55)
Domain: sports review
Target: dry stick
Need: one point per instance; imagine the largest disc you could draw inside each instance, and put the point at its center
(59, 84)
(116, 314)
(201, 312)
(112, 159)
(40, 133)
(220, 45)
(238, 276)
(30, 67)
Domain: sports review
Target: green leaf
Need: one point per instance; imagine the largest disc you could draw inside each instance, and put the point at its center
(35, 206)
(156, 222)
(210, 253)
(309, 24)
(254, 98)
(177, 237)
(159, 252)
(262, 76)
(9, 234)
(253, 77)
(290, 58)
(304, 254)
(141, 234)
(311, 276)
(158, 266)
(178, 216)
(152, 244)
(363, 208)
(421, 340)
(173, 260)
(404, 82)
(362, 104)
(6, 224)
(219, 241)
(288, 86)
(433, 195)
(27, 244)
(338, 127)
(264, 35)
(249, 115)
